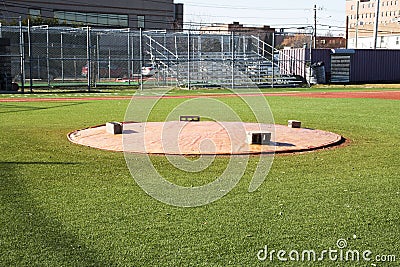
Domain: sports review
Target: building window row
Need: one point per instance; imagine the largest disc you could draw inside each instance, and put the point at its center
(372, 4)
(372, 15)
(389, 3)
(93, 19)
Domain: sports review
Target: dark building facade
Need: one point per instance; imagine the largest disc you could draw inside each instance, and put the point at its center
(148, 15)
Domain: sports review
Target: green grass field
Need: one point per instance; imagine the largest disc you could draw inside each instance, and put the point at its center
(66, 205)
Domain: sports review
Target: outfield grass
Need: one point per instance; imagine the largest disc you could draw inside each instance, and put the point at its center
(68, 205)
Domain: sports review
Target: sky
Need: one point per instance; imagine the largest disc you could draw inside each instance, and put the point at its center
(288, 14)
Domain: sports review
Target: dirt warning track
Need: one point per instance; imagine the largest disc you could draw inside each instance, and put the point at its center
(389, 95)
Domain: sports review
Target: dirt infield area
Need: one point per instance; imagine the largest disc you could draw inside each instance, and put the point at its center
(203, 138)
(390, 95)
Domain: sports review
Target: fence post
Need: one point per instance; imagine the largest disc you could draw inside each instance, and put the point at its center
(89, 67)
(47, 55)
(21, 51)
(141, 57)
(233, 59)
(273, 60)
(188, 59)
(62, 57)
(30, 57)
(97, 50)
(132, 57)
(178, 61)
(129, 57)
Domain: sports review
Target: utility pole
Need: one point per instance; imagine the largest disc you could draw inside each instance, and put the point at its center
(347, 32)
(378, 3)
(357, 22)
(315, 27)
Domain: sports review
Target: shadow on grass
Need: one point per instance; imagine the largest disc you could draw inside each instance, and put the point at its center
(18, 108)
(31, 234)
(37, 163)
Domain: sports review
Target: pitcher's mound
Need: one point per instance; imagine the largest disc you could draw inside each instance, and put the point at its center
(203, 138)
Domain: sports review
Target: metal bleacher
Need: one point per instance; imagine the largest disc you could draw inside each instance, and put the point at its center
(205, 60)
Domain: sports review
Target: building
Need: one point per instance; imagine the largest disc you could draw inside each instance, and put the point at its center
(361, 15)
(304, 40)
(148, 15)
(330, 42)
(265, 33)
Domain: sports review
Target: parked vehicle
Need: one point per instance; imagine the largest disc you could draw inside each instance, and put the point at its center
(149, 70)
(105, 70)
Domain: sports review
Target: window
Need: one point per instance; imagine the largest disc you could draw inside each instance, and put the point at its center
(140, 21)
(94, 19)
(397, 40)
(34, 13)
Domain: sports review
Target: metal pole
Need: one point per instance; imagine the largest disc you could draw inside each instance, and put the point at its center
(178, 63)
(309, 74)
(141, 58)
(222, 45)
(376, 28)
(129, 57)
(109, 63)
(315, 27)
(30, 57)
(273, 60)
(347, 32)
(89, 67)
(165, 72)
(21, 51)
(98, 76)
(188, 60)
(132, 57)
(357, 22)
(47, 56)
(62, 58)
(75, 69)
(233, 59)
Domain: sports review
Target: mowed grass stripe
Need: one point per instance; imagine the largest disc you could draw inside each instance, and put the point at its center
(67, 205)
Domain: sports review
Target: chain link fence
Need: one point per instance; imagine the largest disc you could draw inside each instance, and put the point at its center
(58, 56)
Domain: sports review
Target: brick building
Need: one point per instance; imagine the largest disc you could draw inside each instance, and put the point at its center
(265, 33)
